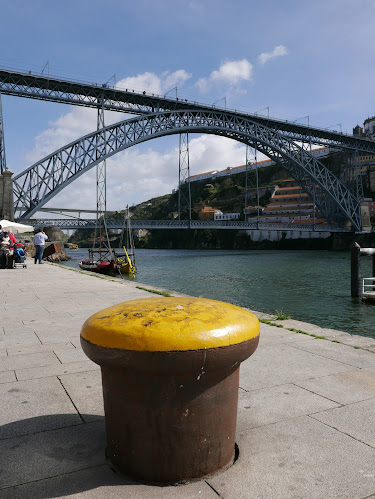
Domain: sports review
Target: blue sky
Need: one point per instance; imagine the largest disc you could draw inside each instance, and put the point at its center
(298, 58)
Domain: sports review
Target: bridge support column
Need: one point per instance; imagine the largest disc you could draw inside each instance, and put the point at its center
(356, 289)
(184, 191)
(6, 196)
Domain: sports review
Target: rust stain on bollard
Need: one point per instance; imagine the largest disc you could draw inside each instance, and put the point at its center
(170, 371)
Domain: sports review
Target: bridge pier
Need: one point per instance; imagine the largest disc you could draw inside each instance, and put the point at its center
(6, 196)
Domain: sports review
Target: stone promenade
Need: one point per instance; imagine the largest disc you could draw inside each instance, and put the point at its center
(306, 415)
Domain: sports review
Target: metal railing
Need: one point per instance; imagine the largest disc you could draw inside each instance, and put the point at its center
(368, 288)
(79, 223)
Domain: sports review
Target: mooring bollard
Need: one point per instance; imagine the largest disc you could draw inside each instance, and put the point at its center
(170, 374)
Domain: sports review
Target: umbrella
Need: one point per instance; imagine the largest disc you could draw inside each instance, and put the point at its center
(15, 227)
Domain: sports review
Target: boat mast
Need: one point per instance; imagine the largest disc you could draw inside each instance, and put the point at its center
(127, 237)
(101, 182)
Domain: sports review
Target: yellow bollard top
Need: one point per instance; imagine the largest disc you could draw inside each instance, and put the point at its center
(170, 324)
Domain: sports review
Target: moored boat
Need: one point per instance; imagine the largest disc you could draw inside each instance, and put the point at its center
(105, 260)
(100, 260)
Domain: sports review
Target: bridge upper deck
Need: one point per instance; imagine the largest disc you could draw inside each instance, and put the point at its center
(43, 87)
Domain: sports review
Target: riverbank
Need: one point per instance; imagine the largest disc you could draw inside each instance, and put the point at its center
(305, 425)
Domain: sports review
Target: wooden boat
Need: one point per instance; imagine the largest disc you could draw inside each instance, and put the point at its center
(100, 260)
(105, 260)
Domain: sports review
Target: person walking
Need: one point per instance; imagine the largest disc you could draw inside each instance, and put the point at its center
(39, 239)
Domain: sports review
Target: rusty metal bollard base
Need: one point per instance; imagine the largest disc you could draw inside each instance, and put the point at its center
(170, 428)
(174, 431)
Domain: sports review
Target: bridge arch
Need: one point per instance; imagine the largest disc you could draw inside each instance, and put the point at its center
(39, 183)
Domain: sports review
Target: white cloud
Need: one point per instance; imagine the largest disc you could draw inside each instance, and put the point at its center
(231, 72)
(70, 126)
(210, 152)
(278, 51)
(137, 175)
(81, 121)
(152, 83)
(176, 79)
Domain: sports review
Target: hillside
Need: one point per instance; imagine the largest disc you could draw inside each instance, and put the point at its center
(224, 193)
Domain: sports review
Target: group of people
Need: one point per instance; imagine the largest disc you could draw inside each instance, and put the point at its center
(8, 244)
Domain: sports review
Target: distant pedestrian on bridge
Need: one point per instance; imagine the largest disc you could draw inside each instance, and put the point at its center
(39, 240)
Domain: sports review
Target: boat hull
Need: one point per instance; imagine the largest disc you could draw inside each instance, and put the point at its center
(102, 268)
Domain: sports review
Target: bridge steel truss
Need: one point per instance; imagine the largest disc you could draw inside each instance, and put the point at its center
(39, 183)
(43, 87)
(80, 223)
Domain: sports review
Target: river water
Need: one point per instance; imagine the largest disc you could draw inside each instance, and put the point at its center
(311, 286)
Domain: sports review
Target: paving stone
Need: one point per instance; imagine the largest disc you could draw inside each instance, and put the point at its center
(74, 355)
(3, 353)
(270, 405)
(85, 389)
(342, 353)
(76, 343)
(270, 335)
(349, 339)
(343, 388)
(34, 405)
(56, 369)
(48, 338)
(100, 482)
(53, 347)
(10, 340)
(303, 326)
(50, 453)
(28, 360)
(355, 419)
(295, 459)
(16, 327)
(7, 376)
(281, 364)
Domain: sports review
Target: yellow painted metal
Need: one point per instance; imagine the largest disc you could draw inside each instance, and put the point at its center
(170, 324)
(131, 266)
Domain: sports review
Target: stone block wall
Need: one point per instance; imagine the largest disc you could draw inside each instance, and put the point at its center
(6, 196)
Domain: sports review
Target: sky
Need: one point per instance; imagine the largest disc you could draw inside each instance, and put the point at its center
(297, 60)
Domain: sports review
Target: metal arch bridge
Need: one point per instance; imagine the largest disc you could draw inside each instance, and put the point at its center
(38, 184)
(80, 223)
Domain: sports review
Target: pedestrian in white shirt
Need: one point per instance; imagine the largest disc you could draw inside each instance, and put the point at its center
(39, 240)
